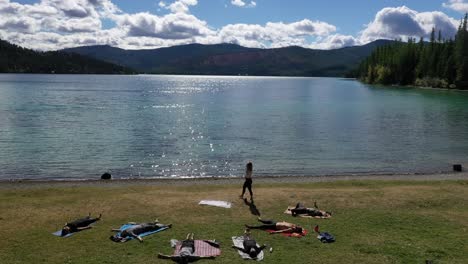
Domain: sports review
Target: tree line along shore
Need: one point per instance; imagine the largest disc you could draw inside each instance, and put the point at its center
(441, 63)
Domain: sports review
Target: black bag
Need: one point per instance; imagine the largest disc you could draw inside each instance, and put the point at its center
(326, 237)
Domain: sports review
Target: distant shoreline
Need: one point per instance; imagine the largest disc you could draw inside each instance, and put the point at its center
(13, 184)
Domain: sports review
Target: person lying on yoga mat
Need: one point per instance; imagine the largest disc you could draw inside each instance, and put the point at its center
(279, 227)
(186, 253)
(79, 224)
(136, 230)
(250, 245)
(300, 209)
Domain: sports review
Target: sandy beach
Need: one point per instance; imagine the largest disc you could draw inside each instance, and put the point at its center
(21, 184)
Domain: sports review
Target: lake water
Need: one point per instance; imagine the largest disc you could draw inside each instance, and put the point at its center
(79, 126)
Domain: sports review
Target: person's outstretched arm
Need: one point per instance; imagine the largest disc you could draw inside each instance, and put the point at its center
(239, 248)
(195, 258)
(262, 247)
(162, 256)
(136, 236)
(83, 228)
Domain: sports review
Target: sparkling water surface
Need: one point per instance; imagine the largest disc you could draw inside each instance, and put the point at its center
(79, 126)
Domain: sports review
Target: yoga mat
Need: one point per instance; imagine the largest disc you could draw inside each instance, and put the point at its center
(223, 204)
(59, 232)
(123, 227)
(202, 248)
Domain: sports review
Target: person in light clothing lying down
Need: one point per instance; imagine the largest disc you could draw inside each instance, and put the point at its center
(278, 227)
(186, 253)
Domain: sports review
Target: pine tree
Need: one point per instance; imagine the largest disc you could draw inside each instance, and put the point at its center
(461, 56)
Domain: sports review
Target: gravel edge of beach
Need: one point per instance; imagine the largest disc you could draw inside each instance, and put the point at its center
(25, 184)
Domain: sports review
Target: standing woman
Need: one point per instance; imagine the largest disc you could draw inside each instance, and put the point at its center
(248, 180)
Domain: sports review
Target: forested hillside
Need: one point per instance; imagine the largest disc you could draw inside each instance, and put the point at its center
(15, 59)
(441, 63)
(230, 59)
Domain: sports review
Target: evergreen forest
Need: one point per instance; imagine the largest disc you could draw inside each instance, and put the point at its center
(15, 59)
(439, 63)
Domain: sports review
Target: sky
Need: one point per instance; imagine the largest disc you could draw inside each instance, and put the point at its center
(148, 24)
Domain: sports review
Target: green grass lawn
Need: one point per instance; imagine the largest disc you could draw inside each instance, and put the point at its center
(373, 222)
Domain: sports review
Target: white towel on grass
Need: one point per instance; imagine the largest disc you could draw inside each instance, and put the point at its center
(223, 204)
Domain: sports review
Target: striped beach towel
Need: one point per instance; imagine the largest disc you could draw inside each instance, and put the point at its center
(203, 248)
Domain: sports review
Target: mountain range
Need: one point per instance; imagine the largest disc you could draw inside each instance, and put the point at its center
(231, 59)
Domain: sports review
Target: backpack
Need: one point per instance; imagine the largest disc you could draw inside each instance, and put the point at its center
(324, 237)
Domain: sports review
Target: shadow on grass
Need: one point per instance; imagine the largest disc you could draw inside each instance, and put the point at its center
(252, 207)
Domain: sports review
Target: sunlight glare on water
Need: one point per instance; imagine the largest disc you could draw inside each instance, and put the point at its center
(79, 126)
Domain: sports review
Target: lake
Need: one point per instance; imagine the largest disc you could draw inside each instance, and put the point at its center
(80, 126)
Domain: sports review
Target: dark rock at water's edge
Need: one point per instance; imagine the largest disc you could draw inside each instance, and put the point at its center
(106, 176)
(457, 167)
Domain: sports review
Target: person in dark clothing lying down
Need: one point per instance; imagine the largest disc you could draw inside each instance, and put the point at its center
(186, 253)
(250, 245)
(136, 230)
(300, 209)
(79, 224)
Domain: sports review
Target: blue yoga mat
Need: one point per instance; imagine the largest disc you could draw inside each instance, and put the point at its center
(59, 234)
(123, 227)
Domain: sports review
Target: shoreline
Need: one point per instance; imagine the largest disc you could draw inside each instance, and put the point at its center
(20, 184)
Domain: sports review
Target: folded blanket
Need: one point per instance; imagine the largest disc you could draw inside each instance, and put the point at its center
(239, 242)
(287, 234)
(223, 204)
(203, 248)
(288, 211)
(123, 227)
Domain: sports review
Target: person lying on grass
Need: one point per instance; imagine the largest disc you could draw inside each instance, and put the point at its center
(186, 253)
(278, 227)
(300, 209)
(79, 224)
(136, 230)
(250, 245)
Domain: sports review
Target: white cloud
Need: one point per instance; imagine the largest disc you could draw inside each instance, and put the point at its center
(24, 24)
(56, 24)
(181, 6)
(238, 2)
(457, 5)
(403, 22)
(335, 41)
(172, 26)
(277, 34)
(242, 3)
